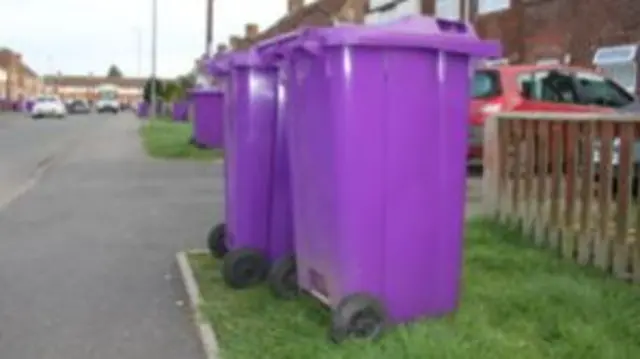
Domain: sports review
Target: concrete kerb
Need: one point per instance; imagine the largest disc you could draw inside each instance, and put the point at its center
(205, 329)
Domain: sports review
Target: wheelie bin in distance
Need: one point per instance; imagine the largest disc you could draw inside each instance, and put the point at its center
(179, 111)
(207, 110)
(282, 278)
(378, 169)
(250, 138)
(143, 110)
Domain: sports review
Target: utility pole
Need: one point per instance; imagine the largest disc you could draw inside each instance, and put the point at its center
(154, 57)
(208, 49)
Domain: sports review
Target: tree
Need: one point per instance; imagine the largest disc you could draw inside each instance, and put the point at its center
(185, 83)
(171, 91)
(114, 72)
(146, 94)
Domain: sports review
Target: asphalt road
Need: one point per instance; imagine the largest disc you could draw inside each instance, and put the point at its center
(87, 267)
(27, 145)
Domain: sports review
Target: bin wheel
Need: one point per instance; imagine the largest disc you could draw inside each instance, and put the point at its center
(357, 316)
(192, 141)
(244, 268)
(216, 240)
(283, 278)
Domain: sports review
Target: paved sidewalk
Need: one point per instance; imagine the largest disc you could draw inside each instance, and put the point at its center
(87, 257)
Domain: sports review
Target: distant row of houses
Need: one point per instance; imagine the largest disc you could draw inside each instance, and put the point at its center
(19, 81)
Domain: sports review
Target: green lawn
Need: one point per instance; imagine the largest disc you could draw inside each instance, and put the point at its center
(163, 138)
(519, 302)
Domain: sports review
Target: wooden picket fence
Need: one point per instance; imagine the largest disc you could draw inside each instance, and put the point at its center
(568, 181)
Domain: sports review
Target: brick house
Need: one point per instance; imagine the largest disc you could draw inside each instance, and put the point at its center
(530, 30)
(567, 31)
(17, 79)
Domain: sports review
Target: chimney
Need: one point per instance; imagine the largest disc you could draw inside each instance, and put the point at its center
(353, 11)
(294, 5)
(251, 31)
(235, 42)
(221, 48)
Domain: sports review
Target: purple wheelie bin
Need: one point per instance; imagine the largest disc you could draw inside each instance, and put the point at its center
(179, 111)
(207, 113)
(28, 106)
(250, 239)
(378, 169)
(143, 109)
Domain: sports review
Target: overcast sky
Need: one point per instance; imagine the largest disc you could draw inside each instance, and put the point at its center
(83, 36)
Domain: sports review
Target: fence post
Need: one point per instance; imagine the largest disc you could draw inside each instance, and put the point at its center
(490, 173)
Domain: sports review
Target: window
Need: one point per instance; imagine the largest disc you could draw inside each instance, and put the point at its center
(624, 74)
(448, 9)
(485, 84)
(46, 99)
(548, 86)
(487, 6)
(615, 54)
(600, 91)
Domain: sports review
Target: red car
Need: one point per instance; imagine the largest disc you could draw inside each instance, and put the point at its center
(539, 88)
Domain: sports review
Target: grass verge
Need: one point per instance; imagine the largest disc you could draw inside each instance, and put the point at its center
(518, 302)
(163, 138)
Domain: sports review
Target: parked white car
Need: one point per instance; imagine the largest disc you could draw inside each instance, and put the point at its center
(48, 106)
(108, 105)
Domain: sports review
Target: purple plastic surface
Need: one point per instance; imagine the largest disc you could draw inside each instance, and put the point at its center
(28, 105)
(257, 191)
(377, 155)
(180, 111)
(143, 109)
(207, 107)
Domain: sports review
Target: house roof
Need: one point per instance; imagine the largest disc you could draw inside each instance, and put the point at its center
(92, 81)
(318, 13)
(6, 55)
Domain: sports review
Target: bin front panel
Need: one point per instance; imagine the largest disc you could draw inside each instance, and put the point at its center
(208, 107)
(311, 135)
(378, 165)
(281, 222)
(248, 148)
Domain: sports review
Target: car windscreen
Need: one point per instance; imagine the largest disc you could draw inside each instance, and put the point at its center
(46, 99)
(485, 84)
(602, 91)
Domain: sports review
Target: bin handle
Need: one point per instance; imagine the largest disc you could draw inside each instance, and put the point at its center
(449, 26)
(311, 47)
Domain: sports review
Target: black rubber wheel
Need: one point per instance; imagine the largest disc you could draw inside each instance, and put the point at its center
(283, 278)
(192, 141)
(357, 316)
(200, 146)
(244, 268)
(216, 240)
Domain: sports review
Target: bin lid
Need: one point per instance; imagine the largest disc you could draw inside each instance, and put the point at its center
(411, 32)
(219, 65)
(248, 58)
(274, 49)
(200, 91)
